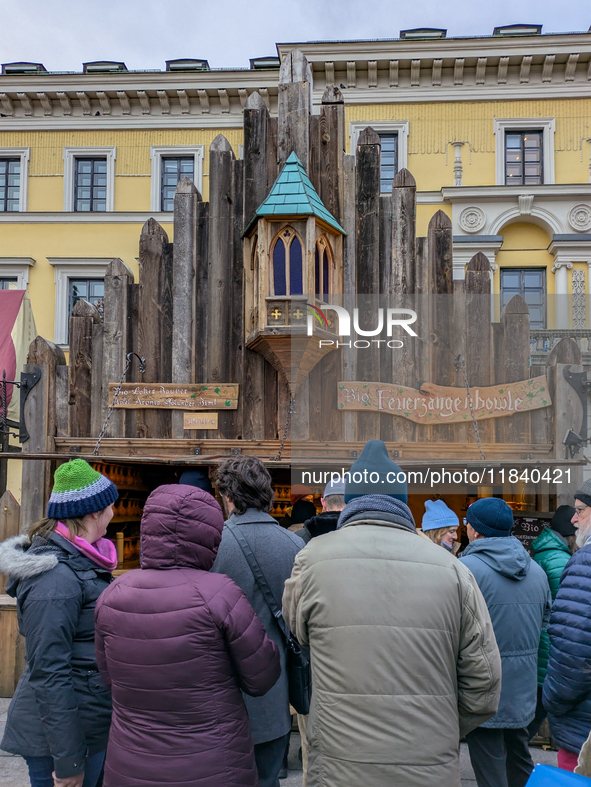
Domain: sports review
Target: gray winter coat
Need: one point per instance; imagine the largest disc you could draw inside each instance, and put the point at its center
(61, 707)
(275, 549)
(404, 660)
(518, 597)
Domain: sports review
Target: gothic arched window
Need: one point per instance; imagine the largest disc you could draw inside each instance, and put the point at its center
(287, 264)
(322, 268)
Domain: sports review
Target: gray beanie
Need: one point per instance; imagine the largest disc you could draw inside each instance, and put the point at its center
(584, 493)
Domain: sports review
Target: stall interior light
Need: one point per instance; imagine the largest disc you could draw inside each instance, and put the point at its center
(518, 30)
(103, 67)
(187, 64)
(23, 68)
(424, 32)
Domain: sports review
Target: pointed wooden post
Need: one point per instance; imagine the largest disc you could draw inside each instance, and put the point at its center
(118, 277)
(349, 281)
(82, 322)
(331, 150)
(478, 336)
(367, 257)
(512, 365)
(294, 107)
(221, 248)
(155, 321)
(404, 209)
(40, 418)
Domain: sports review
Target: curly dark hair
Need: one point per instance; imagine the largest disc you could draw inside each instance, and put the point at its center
(246, 482)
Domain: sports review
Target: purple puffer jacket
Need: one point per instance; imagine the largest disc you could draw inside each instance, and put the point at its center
(176, 644)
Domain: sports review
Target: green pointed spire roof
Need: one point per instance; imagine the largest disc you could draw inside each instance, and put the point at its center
(294, 195)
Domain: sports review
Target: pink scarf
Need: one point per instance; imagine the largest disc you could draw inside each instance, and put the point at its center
(102, 552)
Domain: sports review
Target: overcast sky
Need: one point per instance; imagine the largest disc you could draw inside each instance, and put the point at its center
(146, 33)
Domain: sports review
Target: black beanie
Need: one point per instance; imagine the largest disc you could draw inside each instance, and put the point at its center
(561, 521)
(198, 478)
(374, 473)
(491, 517)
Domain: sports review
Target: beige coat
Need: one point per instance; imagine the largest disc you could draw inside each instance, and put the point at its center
(404, 658)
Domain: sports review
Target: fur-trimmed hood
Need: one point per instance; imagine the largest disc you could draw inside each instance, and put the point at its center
(21, 560)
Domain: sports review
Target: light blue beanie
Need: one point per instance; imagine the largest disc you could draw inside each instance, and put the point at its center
(437, 515)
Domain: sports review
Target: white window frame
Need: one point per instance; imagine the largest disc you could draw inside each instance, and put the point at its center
(400, 127)
(546, 125)
(16, 266)
(70, 156)
(157, 153)
(72, 268)
(24, 154)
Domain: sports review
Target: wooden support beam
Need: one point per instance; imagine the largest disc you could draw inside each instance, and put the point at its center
(294, 107)
(402, 277)
(254, 155)
(512, 364)
(9, 525)
(349, 279)
(477, 333)
(82, 322)
(84, 102)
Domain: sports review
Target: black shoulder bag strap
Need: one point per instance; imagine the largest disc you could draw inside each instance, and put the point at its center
(260, 579)
(298, 667)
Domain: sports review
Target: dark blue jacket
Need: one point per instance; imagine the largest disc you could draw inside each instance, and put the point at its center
(567, 688)
(518, 599)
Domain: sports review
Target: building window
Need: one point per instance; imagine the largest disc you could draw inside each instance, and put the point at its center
(10, 184)
(393, 135)
(287, 264)
(89, 179)
(388, 161)
(524, 162)
(90, 185)
(322, 270)
(173, 169)
(76, 278)
(530, 283)
(14, 164)
(169, 165)
(91, 290)
(524, 158)
(9, 283)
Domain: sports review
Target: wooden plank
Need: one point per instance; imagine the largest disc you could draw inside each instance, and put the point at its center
(568, 414)
(82, 322)
(478, 349)
(256, 118)
(9, 524)
(566, 351)
(61, 401)
(201, 291)
(272, 167)
(132, 427)
(514, 364)
(96, 377)
(367, 254)
(349, 279)
(386, 356)
(403, 271)
(423, 326)
(115, 336)
(314, 165)
(184, 271)
(270, 402)
(235, 420)
(441, 270)
(11, 665)
(293, 108)
(192, 396)
(331, 150)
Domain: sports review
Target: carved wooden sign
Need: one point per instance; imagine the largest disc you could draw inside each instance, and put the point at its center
(435, 404)
(201, 396)
(200, 420)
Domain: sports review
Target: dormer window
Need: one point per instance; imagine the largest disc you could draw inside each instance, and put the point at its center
(287, 264)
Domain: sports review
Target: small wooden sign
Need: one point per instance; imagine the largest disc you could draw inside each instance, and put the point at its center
(201, 396)
(435, 404)
(200, 420)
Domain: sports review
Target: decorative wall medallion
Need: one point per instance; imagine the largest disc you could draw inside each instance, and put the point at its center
(472, 219)
(579, 217)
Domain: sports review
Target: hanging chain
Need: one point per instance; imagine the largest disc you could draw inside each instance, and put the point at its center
(290, 412)
(142, 369)
(460, 365)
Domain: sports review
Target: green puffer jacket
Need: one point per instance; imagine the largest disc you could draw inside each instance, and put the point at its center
(552, 554)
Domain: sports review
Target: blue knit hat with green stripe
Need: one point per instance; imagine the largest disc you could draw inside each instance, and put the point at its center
(78, 490)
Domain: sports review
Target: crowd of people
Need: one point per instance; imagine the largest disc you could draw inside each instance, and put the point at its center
(178, 673)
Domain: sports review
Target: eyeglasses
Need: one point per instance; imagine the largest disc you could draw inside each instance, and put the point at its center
(579, 510)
